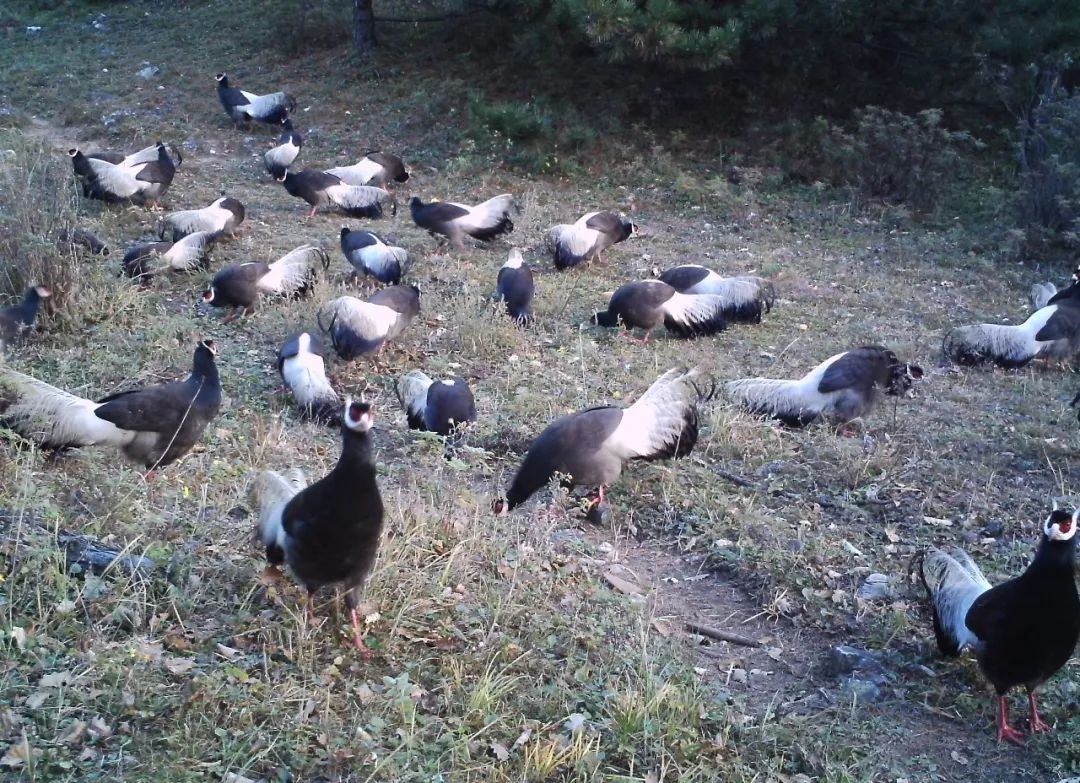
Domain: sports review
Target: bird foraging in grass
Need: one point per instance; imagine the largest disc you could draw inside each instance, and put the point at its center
(1052, 332)
(18, 320)
(356, 327)
(455, 221)
(303, 371)
(746, 298)
(135, 178)
(515, 288)
(646, 304)
(222, 218)
(591, 447)
(1022, 631)
(377, 169)
(144, 259)
(240, 286)
(843, 387)
(242, 106)
(588, 238)
(327, 532)
(441, 407)
(320, 189)
(369, 254)
(278, 159)
(154, 425)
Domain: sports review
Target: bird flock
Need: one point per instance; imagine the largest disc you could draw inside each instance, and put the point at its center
(328, 532)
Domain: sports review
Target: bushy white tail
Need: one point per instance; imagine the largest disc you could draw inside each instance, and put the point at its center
(952, 582)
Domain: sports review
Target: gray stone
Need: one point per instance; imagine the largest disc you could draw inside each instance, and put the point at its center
(149, 72)
(875, 588)
(862, 691)
(843, 659)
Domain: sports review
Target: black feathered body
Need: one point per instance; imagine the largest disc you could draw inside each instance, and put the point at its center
(177, 413)
(1028, 627)
(646, 304)
(332, 528)
(514, 286)
(18, 319)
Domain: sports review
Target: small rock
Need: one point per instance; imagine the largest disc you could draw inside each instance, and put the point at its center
(993, 528)
(919, 670)
(862, 691)
(149, 72)
(100, 23)
(875, 588)
(844, 659)
(769, 468)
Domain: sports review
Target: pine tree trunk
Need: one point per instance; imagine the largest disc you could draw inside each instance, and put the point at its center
(363, 26)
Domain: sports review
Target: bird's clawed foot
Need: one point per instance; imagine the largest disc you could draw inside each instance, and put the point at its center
(1005, 731)
(1038, 725)
(358, 639)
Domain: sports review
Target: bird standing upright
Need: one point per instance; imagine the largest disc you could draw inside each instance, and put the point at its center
(154, 425)
(328, 532)
(1023, 630)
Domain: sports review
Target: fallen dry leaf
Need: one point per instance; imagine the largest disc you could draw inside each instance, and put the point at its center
(622, 585)
(178, 665)
(499, 751)
(18, 754)
(99, 729)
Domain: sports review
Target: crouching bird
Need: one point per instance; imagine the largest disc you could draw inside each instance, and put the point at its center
(441, 407)
(454, 221)
(590, 448)
(145, 259)
(134, 178)
(320, 189)
(303, 371)
(746, 298)
(17, 320)
(221, 218)
(154, 425)
(376, 169)
(1022, 631)
(240, 286)
(1052, 332)
(843, 387)
(370, 255)
(356, 327)
(327, 532)
(588, 237)
(645, 304)
(243, 106)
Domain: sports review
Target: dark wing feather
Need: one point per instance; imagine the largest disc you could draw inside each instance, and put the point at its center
(1064, 324)
(153, 409)
(860, 368)
(606, 222)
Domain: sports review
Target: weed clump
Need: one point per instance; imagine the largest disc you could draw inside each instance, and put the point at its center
(38, 202)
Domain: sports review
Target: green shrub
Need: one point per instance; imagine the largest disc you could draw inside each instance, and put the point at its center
(1048, 198)
(530, 135)
(897, 158)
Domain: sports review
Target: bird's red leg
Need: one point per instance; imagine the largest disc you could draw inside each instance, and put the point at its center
(1005, 731)
(1037, 723)
(311, 214)
(358, 639)
(309, 608)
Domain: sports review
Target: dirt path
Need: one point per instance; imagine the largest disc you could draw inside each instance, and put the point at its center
(788, 673)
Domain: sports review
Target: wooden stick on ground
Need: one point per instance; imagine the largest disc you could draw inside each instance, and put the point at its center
(720, 634)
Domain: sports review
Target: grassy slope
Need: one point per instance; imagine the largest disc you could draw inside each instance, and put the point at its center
(492, 632)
